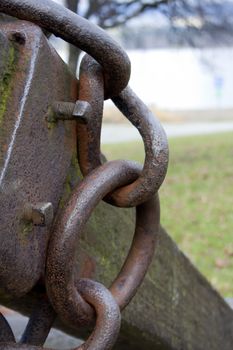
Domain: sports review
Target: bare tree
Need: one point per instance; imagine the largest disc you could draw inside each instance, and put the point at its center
(212, 18)
(108, 14)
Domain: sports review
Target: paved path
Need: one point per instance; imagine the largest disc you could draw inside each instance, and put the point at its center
(114, 133)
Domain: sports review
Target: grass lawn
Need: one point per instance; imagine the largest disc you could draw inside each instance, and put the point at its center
(197, 201)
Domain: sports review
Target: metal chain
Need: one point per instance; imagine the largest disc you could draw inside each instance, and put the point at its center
(104, 73)
(155, 142)
(67, 232)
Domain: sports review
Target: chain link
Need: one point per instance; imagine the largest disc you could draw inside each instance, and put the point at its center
(155, 142)
(67, 232)
(104, 73)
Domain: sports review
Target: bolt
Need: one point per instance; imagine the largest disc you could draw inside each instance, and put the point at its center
(40, 214)
(18, 37)
(79, 111)
(82, 111)
(63, 110)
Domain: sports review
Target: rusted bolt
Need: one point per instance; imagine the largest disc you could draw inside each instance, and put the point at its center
(40, 214)
(62, 110)
(18, 37)
(78, 111)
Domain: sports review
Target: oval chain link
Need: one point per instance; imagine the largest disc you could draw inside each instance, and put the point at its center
(60, 280)
(155, 166)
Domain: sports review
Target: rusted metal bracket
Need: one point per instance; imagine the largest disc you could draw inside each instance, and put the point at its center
(34, 154)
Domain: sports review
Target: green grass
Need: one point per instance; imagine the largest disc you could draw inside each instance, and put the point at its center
(197, 201)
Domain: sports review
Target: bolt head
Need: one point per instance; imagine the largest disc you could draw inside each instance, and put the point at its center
(18, 38)
(82, 111)
(40, 214)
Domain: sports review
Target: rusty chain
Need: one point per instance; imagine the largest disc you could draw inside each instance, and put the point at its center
(69, 227)
(104, 73)
(155, 142)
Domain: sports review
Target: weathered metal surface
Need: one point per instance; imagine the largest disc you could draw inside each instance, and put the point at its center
(35, 155)
(4, 57)
(79, 32)
(60, 278)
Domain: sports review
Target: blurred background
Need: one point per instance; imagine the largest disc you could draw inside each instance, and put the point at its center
(181, 53)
